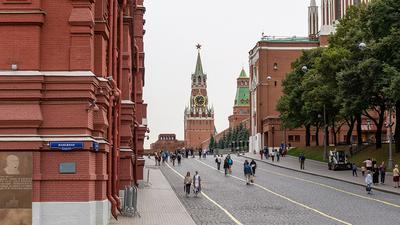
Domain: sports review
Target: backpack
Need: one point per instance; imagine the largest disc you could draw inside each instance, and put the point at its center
(230, 162)
(216, 160)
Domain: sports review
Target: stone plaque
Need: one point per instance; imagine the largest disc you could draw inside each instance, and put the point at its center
(67, 168)
(15, 188)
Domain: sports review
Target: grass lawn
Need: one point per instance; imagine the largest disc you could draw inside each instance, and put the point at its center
(316, 153)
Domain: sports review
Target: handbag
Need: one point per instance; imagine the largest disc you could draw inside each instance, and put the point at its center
(252, 179)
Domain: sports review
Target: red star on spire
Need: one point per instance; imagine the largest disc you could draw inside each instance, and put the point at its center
(198, 46)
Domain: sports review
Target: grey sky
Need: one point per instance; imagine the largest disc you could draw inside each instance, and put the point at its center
(227, 29)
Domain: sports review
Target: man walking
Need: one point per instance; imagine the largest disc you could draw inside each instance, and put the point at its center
(266, 152)
(247, 171)
(196, 183)
(368, 182)
(218, 161)
(354, 169)
(253, 166)
(302, 159)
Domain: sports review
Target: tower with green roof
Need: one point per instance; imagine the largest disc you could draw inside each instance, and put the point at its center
(241, 106)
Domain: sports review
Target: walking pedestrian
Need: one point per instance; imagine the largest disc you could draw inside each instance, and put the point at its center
(218, 160)
(199, 153)
(396, 176)
(273, 155)
(226, 166)
(173, 157)
(230, 163)
(302, 159)
(187, 184)
(253, 166)
(179, 158)
(277, 155)
(382, 171)
(261, 154)
(247, 171)
(368, 182)
(375, 175)
(363, 169)
(368, 164)
(204, 153)
(354, 169)
(196, 184)
(266, 152)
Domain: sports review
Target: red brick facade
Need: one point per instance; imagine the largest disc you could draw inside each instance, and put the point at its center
(199, 117)
(166, 142)
(74, 71)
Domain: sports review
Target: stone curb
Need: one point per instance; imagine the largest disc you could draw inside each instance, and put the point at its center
(320, 175)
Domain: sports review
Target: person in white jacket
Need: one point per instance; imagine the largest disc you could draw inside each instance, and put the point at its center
(368, 182)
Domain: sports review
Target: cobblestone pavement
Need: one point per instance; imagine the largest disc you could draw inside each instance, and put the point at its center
(321, 169)
(157, 203)
(280, 196)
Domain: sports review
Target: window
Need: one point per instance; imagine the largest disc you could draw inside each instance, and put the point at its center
(294, 138)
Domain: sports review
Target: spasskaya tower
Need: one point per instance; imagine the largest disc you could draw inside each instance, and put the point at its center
(199, 117)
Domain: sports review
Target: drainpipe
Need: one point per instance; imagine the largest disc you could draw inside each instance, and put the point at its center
(110, 109)
(116, 110)
(135, 58)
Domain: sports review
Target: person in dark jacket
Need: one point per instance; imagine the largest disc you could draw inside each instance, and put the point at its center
(226, 166)
(375, 175)
(382, 170)
(302, 159)
(247, 171)
(253, 166)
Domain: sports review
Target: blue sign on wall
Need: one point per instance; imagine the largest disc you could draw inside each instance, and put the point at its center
(95, 146)
(66, 146)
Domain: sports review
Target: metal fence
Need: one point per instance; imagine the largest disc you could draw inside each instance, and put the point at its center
(129, 201)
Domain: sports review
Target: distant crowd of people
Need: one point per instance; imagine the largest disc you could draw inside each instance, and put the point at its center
(375, 174)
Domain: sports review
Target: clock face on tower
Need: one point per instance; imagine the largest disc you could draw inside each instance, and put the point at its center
(200, 100)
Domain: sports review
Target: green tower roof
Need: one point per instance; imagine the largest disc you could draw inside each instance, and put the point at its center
(242, 93)
(243, 74)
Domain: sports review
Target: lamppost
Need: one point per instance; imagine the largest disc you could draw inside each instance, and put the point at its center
(368, 125)
(390, 125)
(273, 131)
(325, 128)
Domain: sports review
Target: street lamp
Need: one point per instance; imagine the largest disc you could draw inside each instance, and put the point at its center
(325, 128)
(362, 46)
(304, 68)
(273, 131)
(368, 125)
(390, 125)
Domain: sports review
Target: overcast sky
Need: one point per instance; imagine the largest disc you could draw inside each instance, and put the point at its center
(227, 30)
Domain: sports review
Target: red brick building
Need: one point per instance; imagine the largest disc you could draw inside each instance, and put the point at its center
(71, 84)
(199, 117)
(166, 142)
(270, 62)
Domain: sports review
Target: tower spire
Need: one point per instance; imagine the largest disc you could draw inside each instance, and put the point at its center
(313, 20)
(199, 66)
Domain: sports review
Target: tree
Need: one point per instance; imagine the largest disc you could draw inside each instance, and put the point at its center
(291, 105)
(212, 144)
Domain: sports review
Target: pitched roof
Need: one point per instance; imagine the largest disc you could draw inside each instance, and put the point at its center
(243, 74)
(199, 66)
(242, 96)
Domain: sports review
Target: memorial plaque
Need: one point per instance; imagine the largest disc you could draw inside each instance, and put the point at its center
(15, 188)
(66, 168)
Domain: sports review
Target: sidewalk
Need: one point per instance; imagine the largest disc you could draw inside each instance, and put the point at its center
(321, 169)
(157, 203)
